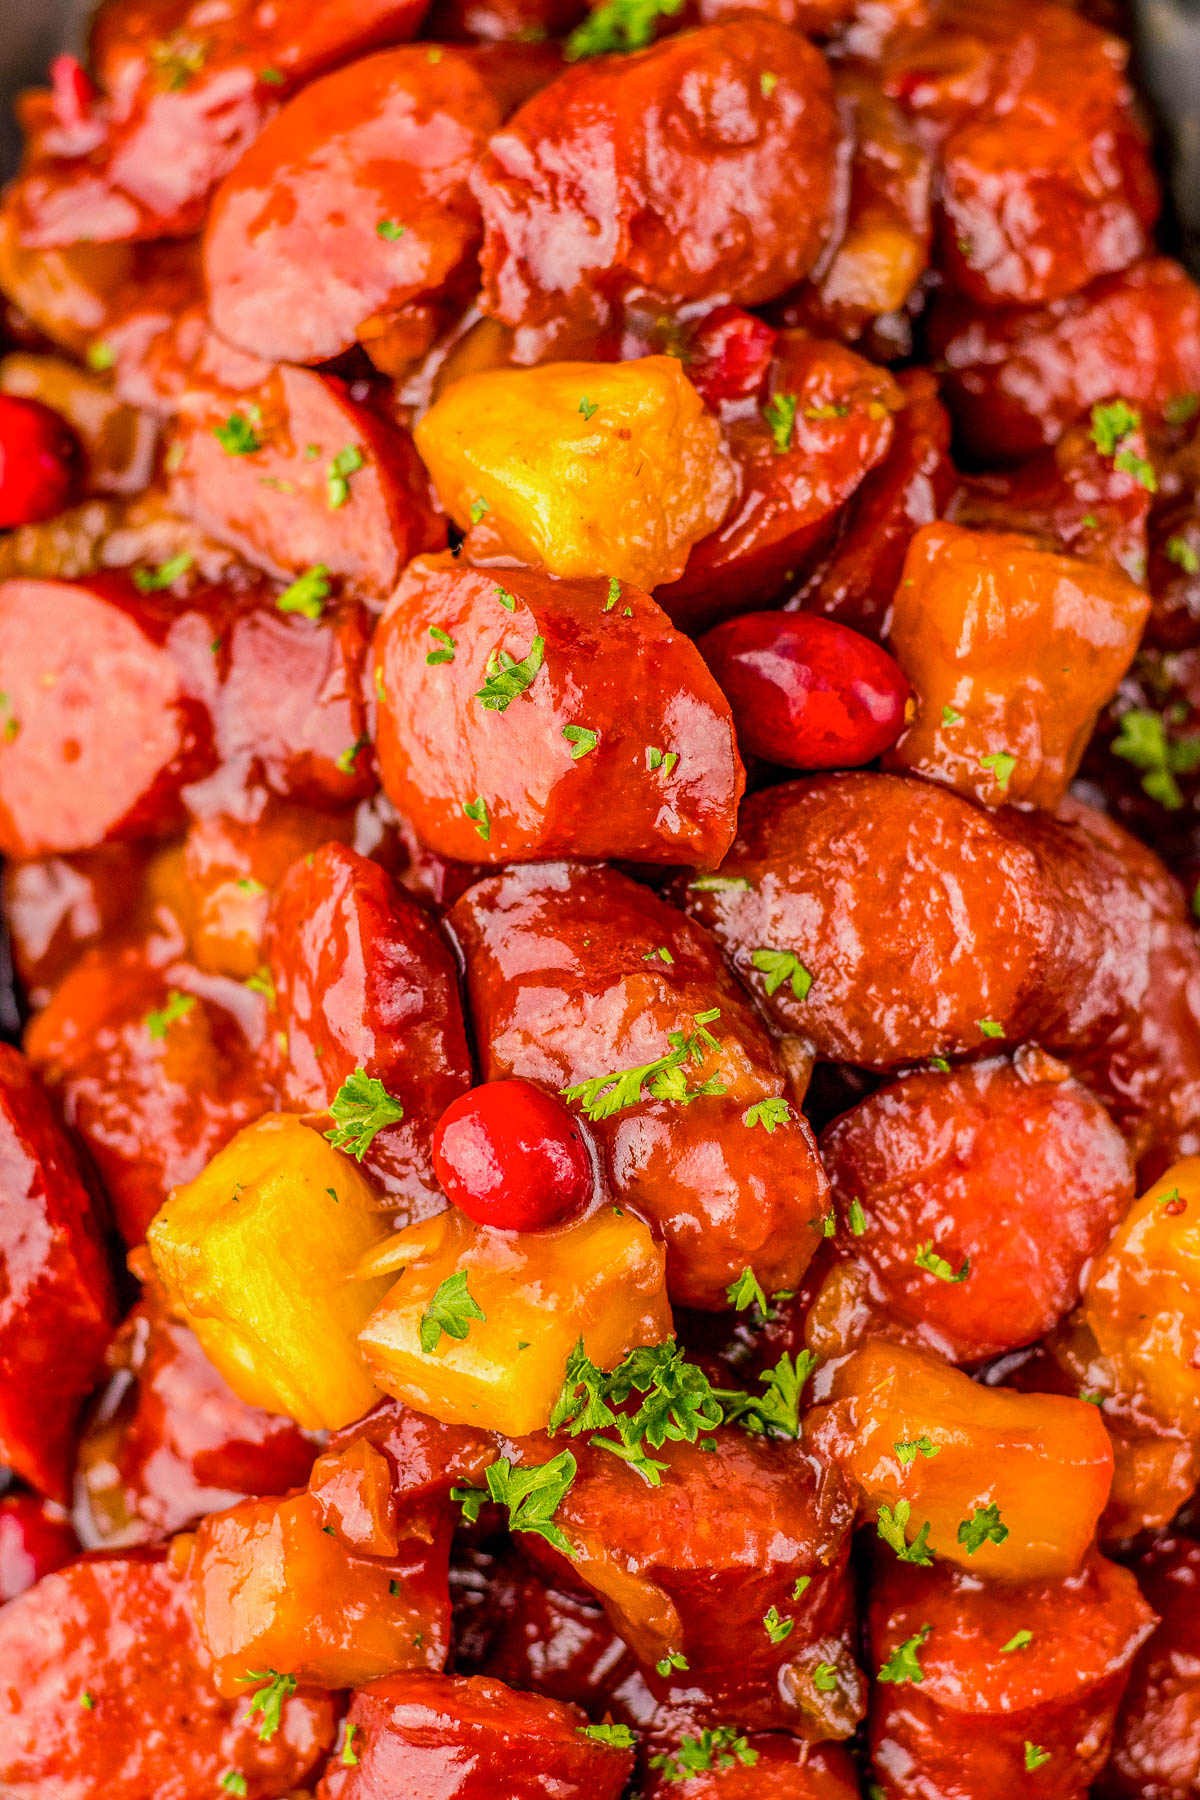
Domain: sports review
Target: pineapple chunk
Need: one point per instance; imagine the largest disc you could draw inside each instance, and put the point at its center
(493, 1349)
(609, 469)
(258, 1255)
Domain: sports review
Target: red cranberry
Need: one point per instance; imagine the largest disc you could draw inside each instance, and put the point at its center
(729, 354)
(39, 462)
(35, 1539)
(510, 1155)
(805, 691)
(71, 89)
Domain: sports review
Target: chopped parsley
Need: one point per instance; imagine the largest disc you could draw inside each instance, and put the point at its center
(780, 414)
(825, 1677)
(581, 739)
(506, 678)
(600, 1096)
(768, 1113)
(775, 1413)
(268, 1702)
(1143, 740)
(261, 983)
(346, 759)
(1111, 426)
(506, 599)
(926, 1258)
(443, 648)
(389, 231)
(902, 1664)
(177, 60)
(1000, 765)
(991, 1028)
(477, 811)
(679, 1403)
(531, 1495)
(779, 966)
(718, 884)
(346, 463)
(100, 356)
(307, 594)
(950, 717)
(661, 759)
(88, 1701)
(588, 407)
(619, 25)
(661, 954)
(621, 1737)
(1017, 1641)
(450, 1312)
(150, 581)
(985, 1526)
(232, 1782)
(1181, 408)
(747, 1291)
(177, 1007)
(478, 509)
(361, 1107)
(857, 1218)
(349, 1753)
(767, 83)
(1180, 552)
(908, 1449)
(272, 77)
(1035, 1756)
(802, 1582)
(674, 1659)
(721, 1748)
(237, 436)
(777, 1628)
(891, 1523)
(614, 593)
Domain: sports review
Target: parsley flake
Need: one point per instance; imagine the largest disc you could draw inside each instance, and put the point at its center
(1143, 740)
(1181, 408)
(1181, 553)
(614, 593)
(506, 599)
(272, 77)
(1000, 765)
(857, 1218)
(531, 1495)
(1111, 423)
(779, 966)
(950, 717)
(674, 1659)
(361, 1107)
(768, 1113)
(891, 1523)
(902, 1664)
(307, 594)
(775, 1413)
(718, 884)
(347, 758)
(268, 1702)
(825, 1677)
(747, 1291)
(477, 811)
(87, 1701)
(661, 759)
(232, 1782)
(100, 356)
(985, 1526)
(177, 60)
(389, 231)
(991, 1028)
(444, 647)
(261, 983)
(478, 509)
(721, 1748)
(1035, 1756)
(1017, 1641)
(349, 1753)
(926, 1258)
(177, 1007)
(767, 83)
(679, 1404)
(588, 407)
(346, 463)
(802, 1582)
(600, 1096)
(619, 25)
(620, 1736)
(450, 1312)
(777, 1628)
(780, 414)
(150, 581)
(506, 678)
(908, 1449)
(237, 436)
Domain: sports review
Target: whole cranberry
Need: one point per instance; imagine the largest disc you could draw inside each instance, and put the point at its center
(39, 462)
(510, 1155)
(35, 1539)
(805, 691)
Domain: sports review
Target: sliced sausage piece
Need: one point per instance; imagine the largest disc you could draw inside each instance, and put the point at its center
(576, 975)
(182, 91)
(632, 173)
(99, 734)
(155, 1067)
(1156, 1747)
(916, 1170)
(363, 980)
(105, 1694)
(58, 1309)
(362, 177)
(460, 1737)
(1015, 1683)
(524, 717)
